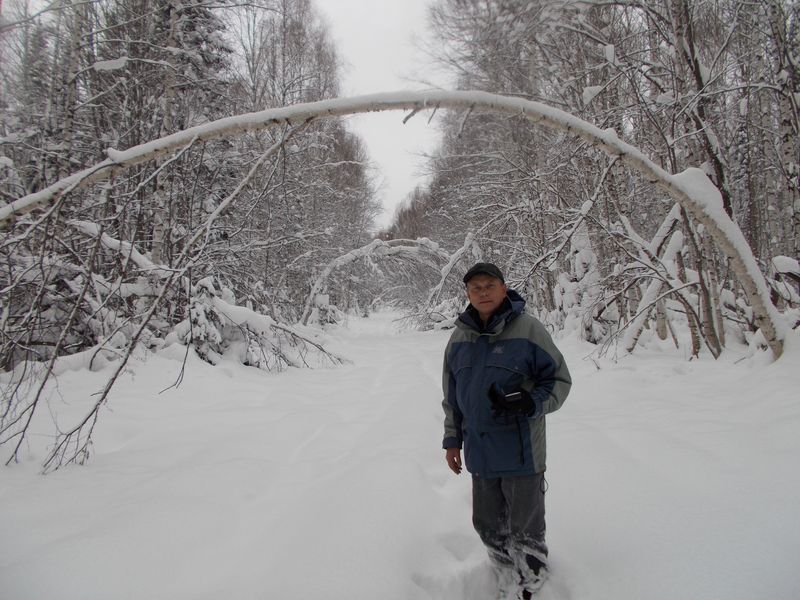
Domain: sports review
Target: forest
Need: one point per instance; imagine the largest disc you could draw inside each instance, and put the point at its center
(141, 207)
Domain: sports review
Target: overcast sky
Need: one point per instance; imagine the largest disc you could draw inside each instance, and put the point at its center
(375, 41)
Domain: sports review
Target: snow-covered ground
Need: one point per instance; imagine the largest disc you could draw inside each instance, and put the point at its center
(668, 479)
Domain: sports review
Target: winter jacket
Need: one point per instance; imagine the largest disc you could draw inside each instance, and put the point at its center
(515, 351)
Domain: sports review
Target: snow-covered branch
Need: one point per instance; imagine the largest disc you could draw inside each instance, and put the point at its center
(414, 250)
(691, 189)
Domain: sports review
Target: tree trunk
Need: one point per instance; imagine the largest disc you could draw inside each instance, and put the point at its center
(714, 288)
(661, 320)
(690, 318)
(684, 37)
(71, 89)
(161, 198)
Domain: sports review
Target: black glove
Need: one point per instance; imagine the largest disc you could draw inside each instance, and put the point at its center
(515, 403)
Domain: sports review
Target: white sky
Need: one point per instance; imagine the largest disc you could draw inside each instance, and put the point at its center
(374, 39)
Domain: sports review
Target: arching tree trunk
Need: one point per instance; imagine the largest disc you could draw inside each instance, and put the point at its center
(691, 188)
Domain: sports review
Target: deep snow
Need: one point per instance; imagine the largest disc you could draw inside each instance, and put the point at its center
(668, 479)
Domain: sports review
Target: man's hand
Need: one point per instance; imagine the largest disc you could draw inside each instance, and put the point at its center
(515, 403)
(453, 456)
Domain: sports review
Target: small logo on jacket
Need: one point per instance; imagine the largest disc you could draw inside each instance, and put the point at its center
(498, 350)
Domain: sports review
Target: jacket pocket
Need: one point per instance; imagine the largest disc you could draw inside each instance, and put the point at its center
(507, 447)
(511, 355)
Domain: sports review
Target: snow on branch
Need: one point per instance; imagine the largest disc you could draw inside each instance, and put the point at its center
(785, 265)
(125, 248)
(414, 250)
(469, 244)
(651, 295)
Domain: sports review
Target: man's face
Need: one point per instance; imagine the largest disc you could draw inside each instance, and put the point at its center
(486, 294)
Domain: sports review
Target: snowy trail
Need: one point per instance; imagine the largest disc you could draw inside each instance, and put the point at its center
(668, 479)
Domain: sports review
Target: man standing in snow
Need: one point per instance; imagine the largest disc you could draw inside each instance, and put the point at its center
(502, 375)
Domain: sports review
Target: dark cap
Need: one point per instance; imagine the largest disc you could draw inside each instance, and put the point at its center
(484, 269)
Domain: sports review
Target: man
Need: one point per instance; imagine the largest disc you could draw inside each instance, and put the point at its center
(502, 375)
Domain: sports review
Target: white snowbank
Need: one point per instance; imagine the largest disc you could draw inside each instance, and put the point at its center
(668, 479)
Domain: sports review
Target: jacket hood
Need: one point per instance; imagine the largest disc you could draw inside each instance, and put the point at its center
(513, 305)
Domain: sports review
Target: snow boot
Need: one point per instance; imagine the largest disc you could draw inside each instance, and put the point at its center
(531, 586)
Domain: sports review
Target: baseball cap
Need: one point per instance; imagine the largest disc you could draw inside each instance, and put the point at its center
(485, 269)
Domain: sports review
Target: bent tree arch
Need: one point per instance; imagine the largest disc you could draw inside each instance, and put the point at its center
(691, 188)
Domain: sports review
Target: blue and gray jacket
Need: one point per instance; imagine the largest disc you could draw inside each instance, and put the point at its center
(514, 351)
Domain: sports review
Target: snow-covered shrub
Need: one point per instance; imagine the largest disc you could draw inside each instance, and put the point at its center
(323, 312)
(444, 314)
(578, 294)
(218, 329)
(204, 330)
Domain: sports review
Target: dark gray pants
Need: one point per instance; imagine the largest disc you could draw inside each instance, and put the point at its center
(508, 514)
